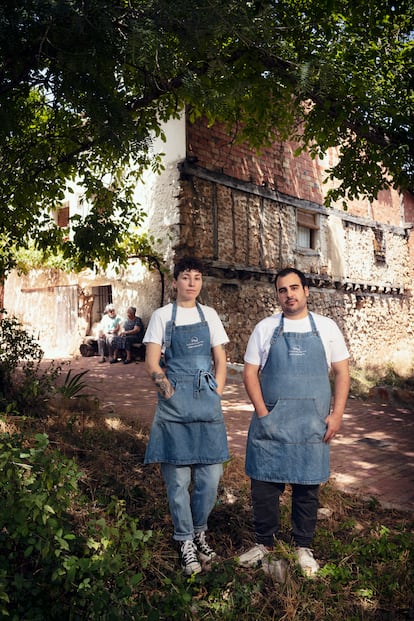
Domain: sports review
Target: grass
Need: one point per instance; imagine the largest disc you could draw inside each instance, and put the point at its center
(367, 551)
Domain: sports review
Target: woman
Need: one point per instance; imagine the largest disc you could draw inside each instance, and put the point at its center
(188, 436)
(132, 332)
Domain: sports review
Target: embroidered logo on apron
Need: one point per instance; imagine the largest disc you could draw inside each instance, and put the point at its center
(194, 342)
(297, 350)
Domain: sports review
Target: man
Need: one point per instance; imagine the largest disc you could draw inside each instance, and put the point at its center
(188, 436)
(108, 330)
(286, 375)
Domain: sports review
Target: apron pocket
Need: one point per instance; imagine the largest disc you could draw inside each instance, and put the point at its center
(292, 421)
(183, 407)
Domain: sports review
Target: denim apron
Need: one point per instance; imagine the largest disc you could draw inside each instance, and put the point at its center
(287, 445)
(188, 428)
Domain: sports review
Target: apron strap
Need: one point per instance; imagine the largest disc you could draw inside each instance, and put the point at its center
(313, 324)
(171, 324)
(279, 329)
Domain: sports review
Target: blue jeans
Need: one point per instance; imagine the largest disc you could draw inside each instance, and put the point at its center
(190, 512)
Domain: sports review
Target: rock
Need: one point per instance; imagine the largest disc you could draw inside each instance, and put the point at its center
(275, 568)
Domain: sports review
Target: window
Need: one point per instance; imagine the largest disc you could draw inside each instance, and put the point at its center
(379, 246)
(307, 230)
(102, 296)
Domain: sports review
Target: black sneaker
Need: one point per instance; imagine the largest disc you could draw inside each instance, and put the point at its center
(205, 552)
(189, 561)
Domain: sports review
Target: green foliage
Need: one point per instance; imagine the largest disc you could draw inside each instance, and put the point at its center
(73, 385)
(50, 567)
(24, 387)
(16, 345)
(364, 380)
(340, 71)
(32, 258)
(71, 550)
(376, 568)
(391, 377)
(30, 391)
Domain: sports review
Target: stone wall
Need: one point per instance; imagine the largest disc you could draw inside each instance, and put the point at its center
(378, 332)
(277, 168)
(238, 212)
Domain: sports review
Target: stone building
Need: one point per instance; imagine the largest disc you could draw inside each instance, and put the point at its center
(248, 215)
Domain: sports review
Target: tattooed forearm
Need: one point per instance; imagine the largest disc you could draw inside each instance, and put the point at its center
(163, 385)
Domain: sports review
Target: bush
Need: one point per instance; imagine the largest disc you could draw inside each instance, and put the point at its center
(52, 566)
(24, 388)
(16, 345)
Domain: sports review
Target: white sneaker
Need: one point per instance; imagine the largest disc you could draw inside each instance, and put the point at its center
(189, 561)
(307, 562)
(253, 556)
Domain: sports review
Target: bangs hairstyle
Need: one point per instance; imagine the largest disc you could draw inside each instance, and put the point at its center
(187, 264)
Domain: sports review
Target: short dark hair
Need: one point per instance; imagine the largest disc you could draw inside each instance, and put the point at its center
(187, 264)
(291, 270)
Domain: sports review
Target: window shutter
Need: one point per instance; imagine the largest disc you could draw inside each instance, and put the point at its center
(307, 220)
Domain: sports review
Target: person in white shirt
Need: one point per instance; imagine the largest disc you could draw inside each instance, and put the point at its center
(288, 361)
(108, 330)
(188, 436)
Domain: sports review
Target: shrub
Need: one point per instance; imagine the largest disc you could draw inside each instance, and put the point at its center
(16, 344)
(51, 565)
(24, 387)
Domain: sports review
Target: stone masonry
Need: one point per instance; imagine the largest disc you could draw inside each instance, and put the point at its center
(238, 211)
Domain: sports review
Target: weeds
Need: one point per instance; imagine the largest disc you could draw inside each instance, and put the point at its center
(24, 388)
(108, 558)
(73, 385)
(16, 345)
(364, 380)
(52, 566)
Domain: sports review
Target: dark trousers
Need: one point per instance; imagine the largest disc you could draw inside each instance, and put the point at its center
(266, 511)
(130, 340)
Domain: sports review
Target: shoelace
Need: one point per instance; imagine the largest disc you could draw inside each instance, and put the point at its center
(188, 553)
(203, 546)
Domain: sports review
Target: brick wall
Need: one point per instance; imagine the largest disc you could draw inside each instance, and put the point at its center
(277, 168)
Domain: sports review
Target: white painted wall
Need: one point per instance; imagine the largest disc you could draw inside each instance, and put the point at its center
(36, 306)
(158, 194)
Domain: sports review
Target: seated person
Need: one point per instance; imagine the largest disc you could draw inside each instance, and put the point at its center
(108, 329)
(132, 332)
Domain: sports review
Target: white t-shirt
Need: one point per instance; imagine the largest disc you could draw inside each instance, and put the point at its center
(155, 332)
(109, 323)
(259, 342)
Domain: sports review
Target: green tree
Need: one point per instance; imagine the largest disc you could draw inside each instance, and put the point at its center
(85, 84)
